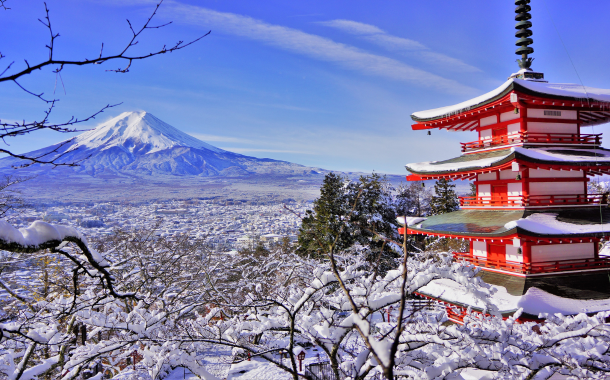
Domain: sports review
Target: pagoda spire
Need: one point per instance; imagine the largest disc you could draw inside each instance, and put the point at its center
(524, 39)
(523, 33)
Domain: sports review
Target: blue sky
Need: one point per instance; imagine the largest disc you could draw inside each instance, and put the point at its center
(321, 83)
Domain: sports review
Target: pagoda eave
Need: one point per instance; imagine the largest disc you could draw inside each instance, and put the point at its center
(524, 235)
(592, 161)
(515, 93)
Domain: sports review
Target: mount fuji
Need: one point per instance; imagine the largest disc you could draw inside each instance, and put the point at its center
(138, 143)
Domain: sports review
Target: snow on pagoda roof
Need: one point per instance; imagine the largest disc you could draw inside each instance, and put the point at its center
(555, 155)
(549, 224)
(553, 90)
(533, 302)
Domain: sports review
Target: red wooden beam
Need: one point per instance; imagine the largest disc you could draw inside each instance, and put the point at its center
(414, 177)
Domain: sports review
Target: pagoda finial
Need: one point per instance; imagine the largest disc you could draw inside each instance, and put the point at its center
(523, 33)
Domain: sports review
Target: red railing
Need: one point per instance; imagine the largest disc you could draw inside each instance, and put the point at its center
(533, 200)
(533, 138)
(536, 267)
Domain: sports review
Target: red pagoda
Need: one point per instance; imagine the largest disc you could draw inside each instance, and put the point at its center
(532, 222)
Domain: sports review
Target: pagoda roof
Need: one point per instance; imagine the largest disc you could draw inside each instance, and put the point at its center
(554, 156)
(559, 91)
(573, 223)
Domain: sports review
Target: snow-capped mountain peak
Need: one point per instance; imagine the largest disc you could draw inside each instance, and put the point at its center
(136, 143)
(139, 132)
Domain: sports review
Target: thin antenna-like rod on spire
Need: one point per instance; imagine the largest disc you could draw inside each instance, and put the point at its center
(523, 33)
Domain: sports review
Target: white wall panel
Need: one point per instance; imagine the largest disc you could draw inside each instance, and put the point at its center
(556, 188)
(538, 127)
(513, 129)
(487, 176)
(553, 252)
(508, 174)
(485, 134)
(512, 254)
(488, 121)
(479, 248)
(541, 173)
(509, 116)
(515, 189)
(484, 190)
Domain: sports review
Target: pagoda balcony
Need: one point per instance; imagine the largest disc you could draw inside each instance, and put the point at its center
(519, 201)
(534, 138)
(535, 267)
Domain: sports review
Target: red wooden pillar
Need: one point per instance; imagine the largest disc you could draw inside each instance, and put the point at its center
(523, 121)
(526, 250)
(525, 184)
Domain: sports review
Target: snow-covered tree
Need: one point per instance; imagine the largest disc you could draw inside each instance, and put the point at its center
(99, 308)
(413, 199)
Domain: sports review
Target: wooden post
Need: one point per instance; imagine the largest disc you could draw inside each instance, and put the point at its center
(83, 331)
(75, 329)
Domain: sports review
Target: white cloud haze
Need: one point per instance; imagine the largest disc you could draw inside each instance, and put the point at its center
(316, 47)
(393, 43)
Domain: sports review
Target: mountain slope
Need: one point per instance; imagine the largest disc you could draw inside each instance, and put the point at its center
(139, 143)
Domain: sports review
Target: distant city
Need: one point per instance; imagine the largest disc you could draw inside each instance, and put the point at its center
(224, 225)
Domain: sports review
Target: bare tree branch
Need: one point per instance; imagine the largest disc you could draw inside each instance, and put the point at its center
(12, 129)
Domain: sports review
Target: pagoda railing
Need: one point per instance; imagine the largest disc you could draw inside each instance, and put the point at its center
(533, 138)
(533, 200)
(535, 267)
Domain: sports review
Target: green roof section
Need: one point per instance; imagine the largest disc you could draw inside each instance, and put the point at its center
(580, 222)
(470, 222)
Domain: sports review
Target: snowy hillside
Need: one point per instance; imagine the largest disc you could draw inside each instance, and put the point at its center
(139, 143)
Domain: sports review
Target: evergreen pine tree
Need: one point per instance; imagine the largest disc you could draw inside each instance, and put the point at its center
(321, 228)
(473, 190)
(348, 213)
(444, 199)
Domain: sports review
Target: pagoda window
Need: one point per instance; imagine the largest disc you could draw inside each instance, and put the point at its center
(552, 114)
(479, 248)
(553, 252)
